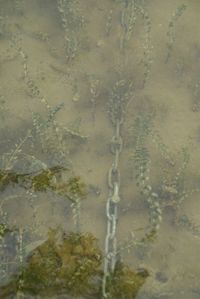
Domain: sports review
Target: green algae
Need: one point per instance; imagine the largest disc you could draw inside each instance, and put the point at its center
(71, 264)
(73, 188)
(63, 264)
(124, 282)
(38, 181)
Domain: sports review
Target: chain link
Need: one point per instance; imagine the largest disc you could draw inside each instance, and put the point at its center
(20, 294)
(111, 208)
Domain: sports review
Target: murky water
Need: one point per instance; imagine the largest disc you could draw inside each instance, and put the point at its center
(99, 165)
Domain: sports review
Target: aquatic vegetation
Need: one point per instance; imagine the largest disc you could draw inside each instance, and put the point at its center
(63, 264)
(168, 190)
(147, 46)
(109, 20)
(45, 180)
(172, 187)
(171, 33)
(94, 89)
(72, 22)
(49, 179)
(128, 21)
(73, 131)
(71, 264)
(76, 189)
(40, 181)
(3, 108)
(189, 224)
(119, 57)
(196, 96)
(124, 282)
(132, 12)
(120, 95)
(141, 163)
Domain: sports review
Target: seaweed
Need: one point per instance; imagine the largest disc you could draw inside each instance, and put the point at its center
(171, 33)
(71, 264)
(63, 264)
(44, 180)
(39, 181)
(124, 282)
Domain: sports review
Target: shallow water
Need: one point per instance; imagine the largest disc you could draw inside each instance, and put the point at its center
(71, 72)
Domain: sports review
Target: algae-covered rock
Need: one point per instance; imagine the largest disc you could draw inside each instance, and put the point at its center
(38, 181)
(72, 188)
(124, 282)
(70, 264)
(63, 264)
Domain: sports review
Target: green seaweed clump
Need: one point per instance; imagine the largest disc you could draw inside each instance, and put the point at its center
(7, 178)
(63, 264)
(74, 189)
(38, 181)
(46, 179)
(124, 282)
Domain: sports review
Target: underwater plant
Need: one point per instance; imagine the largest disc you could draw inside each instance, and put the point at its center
(70, 264)
(124, 282)
(63, 264)
(45, 180)
(72, 21)
(171, 33)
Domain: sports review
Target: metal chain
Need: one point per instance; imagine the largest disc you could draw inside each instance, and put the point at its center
(111, 208)
(20, 294)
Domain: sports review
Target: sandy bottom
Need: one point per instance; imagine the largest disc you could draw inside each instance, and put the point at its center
(39, 75)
